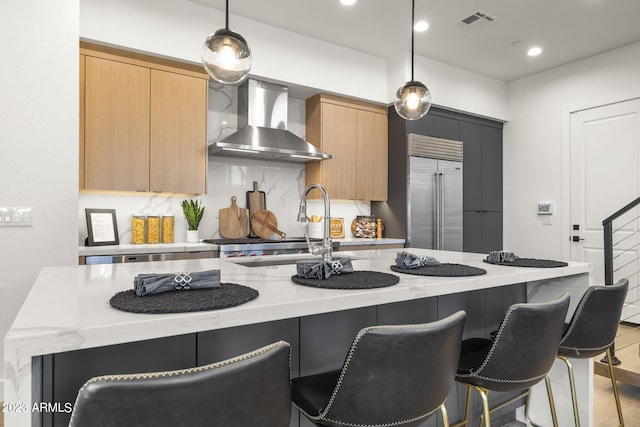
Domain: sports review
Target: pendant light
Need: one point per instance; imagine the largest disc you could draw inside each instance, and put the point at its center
(226, 55)
(413, 99)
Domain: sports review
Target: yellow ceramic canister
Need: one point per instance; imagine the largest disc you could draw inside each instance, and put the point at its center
(137, 229)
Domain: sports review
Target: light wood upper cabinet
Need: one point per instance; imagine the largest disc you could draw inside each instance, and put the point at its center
(143, 123)
(372, 153)
(116, 126)
(355, 134)
(178, 133)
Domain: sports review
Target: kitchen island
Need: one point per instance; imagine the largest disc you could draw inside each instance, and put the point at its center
(67, 313)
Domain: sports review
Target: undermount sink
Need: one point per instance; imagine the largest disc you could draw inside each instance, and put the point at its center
(260, 262)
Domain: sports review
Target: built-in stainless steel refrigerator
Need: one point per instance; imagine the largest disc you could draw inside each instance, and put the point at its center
(434, 193)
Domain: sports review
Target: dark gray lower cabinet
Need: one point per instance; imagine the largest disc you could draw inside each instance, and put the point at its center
(319, 343)
(65, 373)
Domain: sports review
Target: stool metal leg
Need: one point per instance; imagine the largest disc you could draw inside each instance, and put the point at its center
(484, 394)
(445, 415)
(574, 396)
(552, 405)
(614, 384)
(467, 408)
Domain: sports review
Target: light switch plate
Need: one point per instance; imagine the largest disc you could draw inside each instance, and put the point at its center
(16, 217)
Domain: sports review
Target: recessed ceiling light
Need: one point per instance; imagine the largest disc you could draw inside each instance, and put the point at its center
(421, 26)
(348, 2)
(534, 51)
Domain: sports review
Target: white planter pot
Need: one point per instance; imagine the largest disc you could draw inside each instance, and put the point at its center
(193, 236)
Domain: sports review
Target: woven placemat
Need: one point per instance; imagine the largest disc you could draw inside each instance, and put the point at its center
(227, 295)
(530, 262)
(356, 280)
(442, 270)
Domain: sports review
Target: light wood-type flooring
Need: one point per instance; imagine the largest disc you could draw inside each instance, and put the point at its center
(627, 374)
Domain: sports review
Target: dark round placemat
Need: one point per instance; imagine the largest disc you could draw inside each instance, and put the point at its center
(227, 295)
(442, 270)
(356, 280)
(530, 262)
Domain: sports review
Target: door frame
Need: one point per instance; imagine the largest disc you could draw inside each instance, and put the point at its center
(567, 111)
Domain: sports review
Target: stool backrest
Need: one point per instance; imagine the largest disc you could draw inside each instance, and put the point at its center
(249, 390)
(395, 374)
(594, 324)
(524, 347)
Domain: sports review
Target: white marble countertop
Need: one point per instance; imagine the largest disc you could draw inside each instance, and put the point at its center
(131, 249)
(68, 307)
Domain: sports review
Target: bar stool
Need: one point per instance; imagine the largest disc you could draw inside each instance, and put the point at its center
(249, 390)
(592, 329)
(392, 375)
(519, 356)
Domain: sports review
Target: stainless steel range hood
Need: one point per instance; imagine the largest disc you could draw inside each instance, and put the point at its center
(262, 123)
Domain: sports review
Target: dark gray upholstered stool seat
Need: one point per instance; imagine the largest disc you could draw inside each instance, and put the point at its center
(592, 330)
(392, 376)
(519, 356)
(253, 389)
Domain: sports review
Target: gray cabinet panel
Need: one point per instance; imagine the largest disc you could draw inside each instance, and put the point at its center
(221, 344)
(471, 135)
(482, 231)
(325, 338)
(472, 236)
(445, 127)
(424, 126)
(408, 312)
(72, 369)
(491, 169)
(491, 231)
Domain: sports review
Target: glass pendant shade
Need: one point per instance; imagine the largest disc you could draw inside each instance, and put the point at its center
(413, 100)
(226, 57)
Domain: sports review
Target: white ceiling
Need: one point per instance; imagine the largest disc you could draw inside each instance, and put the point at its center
(567, 30)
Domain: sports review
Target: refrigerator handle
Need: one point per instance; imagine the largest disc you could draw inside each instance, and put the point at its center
(441, 210)
(436, 215)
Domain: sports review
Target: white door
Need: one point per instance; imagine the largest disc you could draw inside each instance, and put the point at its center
(605, 176)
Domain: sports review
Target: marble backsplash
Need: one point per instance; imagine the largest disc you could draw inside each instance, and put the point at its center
(282, 182)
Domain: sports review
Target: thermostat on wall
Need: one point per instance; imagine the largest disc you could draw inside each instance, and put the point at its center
(545, 208)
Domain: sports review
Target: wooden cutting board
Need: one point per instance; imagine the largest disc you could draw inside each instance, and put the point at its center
(256, 200)
(234, 221)
(265, 224)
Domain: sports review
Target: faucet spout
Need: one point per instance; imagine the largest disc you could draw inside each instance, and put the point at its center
(325, 248)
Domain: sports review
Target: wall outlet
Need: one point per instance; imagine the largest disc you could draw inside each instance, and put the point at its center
(16, 217)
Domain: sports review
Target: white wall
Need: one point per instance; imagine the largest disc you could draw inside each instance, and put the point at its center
(536, 138)
(38, 143)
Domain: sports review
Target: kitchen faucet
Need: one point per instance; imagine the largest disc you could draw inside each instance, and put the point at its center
(325, 248)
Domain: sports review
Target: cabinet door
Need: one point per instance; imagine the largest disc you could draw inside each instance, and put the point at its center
(116, 126)
(339, 131)
(491, 169)
(371, 156)
(471, 135)
(81, 134)
(178, 133)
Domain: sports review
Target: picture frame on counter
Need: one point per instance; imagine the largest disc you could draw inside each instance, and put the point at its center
(102, 227)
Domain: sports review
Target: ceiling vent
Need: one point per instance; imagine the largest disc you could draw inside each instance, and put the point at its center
(476, 20)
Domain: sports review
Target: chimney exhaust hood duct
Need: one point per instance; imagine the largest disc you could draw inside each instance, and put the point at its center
(262, 123)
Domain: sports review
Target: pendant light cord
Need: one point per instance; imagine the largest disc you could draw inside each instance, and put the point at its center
(227, 16)
(413, 7)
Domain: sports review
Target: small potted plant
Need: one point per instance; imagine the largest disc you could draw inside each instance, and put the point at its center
(193, 211)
